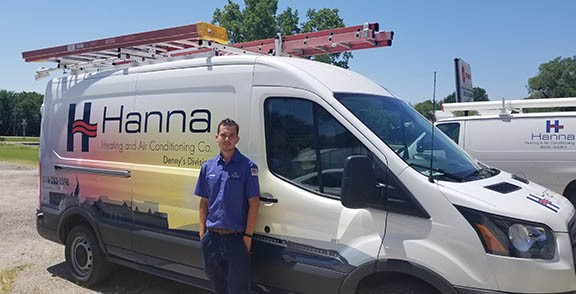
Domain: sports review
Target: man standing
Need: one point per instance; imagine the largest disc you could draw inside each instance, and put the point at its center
(228, 185)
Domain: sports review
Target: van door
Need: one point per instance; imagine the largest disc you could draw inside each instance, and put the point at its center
(307, 242)
(178, 111)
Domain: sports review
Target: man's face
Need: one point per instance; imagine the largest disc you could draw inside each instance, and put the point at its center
(227, 138)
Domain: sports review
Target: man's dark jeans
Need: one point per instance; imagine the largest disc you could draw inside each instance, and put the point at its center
(226, 262)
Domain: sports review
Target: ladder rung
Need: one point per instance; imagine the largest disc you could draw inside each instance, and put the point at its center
(101, 54)
(173, 46)
(136, 52)
(73, 59)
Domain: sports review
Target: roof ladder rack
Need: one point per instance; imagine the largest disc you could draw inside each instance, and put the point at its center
(198, 39)
(506, 106)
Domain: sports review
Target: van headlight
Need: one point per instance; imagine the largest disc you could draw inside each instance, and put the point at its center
(511, 237)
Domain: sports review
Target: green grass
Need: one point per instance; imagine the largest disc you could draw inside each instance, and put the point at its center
(21, 154)
(19, 139)
(7, 277)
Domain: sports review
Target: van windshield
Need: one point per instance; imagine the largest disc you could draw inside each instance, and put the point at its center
(409, 134)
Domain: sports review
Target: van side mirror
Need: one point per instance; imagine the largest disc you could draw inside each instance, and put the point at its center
(358, 182)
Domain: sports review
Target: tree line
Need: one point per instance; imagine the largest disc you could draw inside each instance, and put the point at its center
(20, 113)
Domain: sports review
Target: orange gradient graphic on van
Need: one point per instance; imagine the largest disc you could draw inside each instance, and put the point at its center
(167, 190)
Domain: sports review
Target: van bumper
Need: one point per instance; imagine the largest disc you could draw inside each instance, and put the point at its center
(46, 225)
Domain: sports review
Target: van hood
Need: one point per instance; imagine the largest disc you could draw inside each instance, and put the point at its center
(503, 195)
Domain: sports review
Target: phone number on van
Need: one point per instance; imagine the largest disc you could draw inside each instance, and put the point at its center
(60, 181)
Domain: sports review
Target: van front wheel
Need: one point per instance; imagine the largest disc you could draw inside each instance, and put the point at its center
(399, 287)
(87, 263)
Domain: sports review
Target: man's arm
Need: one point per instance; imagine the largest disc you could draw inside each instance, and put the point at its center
(253, 205)
(203, 210)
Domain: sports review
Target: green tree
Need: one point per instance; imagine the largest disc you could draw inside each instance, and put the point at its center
(26, 114)
(259, 20)
(479, 94)
(231, 18)
(555, 79)
(324, 19)
(7, 101)
(288, 22)
(426, 107)
(427, 110)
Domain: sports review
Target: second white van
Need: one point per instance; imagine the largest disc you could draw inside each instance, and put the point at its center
(539, 147)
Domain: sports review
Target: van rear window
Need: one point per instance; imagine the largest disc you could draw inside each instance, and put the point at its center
(452, 130)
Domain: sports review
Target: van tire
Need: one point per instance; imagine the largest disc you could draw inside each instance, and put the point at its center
(405, 286)
(87, 263)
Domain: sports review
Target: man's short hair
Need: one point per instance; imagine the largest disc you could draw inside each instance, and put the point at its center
(228, 122)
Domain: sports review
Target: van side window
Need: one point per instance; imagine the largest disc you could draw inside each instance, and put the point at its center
(452, 130)
(306, 145)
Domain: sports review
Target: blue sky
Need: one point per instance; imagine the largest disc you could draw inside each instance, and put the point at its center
(503, 41)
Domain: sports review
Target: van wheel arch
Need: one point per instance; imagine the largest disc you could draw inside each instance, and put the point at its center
(76, 216)
(570, 192)
(395, 275)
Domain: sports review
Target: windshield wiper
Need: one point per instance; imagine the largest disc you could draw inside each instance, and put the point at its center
(437, 170)
(484, 172)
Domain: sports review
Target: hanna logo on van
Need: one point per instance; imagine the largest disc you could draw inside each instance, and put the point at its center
(83, 126)
(556, 126)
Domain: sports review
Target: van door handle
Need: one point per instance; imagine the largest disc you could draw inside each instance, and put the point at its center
(268, 198)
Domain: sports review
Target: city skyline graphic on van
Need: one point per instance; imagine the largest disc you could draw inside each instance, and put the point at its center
(83, 126)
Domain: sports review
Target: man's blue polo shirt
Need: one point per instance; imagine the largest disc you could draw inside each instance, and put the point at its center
(228, 186)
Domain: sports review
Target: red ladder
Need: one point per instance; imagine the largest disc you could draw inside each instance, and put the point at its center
(170, 43)
(324, 42)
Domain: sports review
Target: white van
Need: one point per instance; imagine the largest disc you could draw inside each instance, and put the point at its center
(350, 203)
(540, 147)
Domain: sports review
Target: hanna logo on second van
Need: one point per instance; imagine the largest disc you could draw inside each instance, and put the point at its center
(556, 126)
(83, 126)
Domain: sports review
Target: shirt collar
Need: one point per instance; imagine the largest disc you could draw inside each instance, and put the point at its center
(235, 157)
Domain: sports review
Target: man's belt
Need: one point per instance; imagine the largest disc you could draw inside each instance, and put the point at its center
(222, 231)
